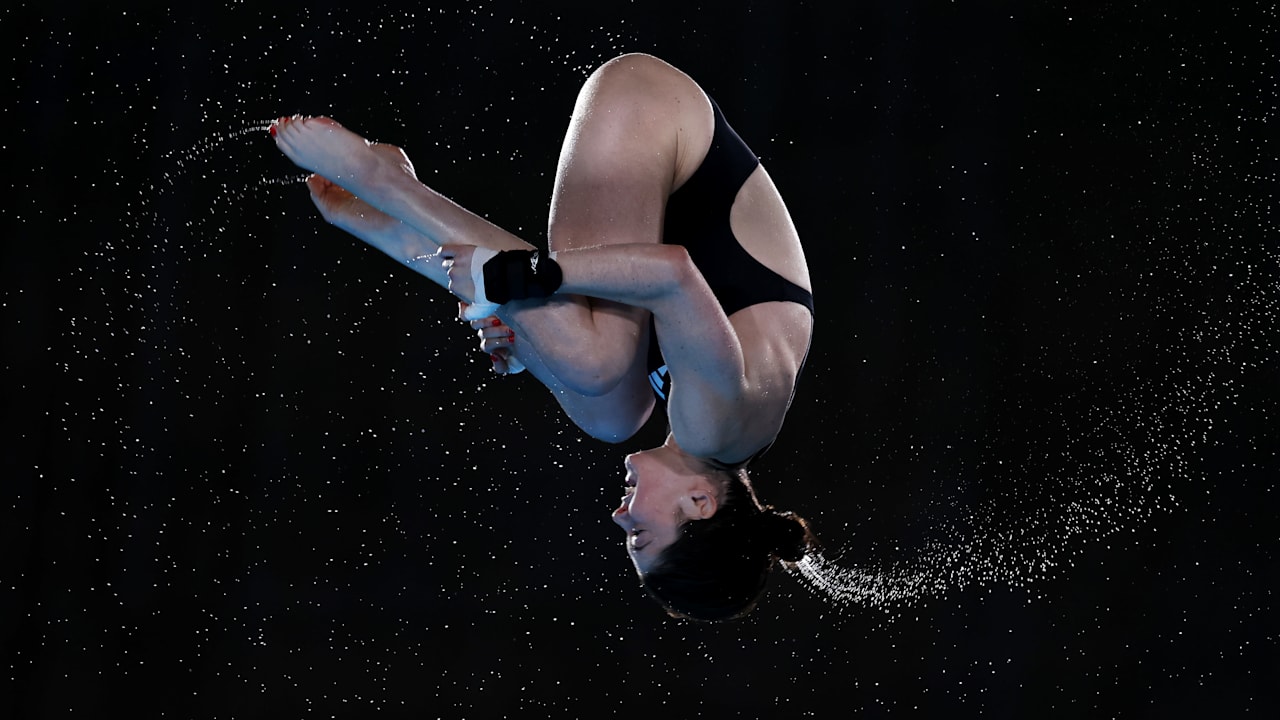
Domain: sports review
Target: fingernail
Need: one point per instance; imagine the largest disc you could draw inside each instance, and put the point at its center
(273, 130)
(494, 357)
(496, 322)
(511, 337)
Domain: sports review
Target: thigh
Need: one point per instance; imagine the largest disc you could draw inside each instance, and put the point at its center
(639, 126)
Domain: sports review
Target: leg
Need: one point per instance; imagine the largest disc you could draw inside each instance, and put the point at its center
(393, 237)
(612, 416)
(382, 176)
(635, 132)
(639, 127)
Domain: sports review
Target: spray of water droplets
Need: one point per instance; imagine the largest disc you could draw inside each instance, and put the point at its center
(209, 156)
(1124, 462)
(1131, 456)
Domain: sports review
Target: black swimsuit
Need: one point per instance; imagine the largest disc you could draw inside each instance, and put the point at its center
(698, 218)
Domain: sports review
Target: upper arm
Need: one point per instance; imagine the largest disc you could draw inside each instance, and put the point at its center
(699, 345)
(705, 359)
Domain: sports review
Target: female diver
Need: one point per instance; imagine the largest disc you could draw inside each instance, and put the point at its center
(677, 276)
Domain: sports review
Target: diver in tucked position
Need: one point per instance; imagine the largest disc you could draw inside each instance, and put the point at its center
(677, 277)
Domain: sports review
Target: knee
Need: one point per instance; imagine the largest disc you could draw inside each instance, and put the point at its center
(611, 427)
(608, 430)
(593, 373)
(631, 71)
(627, 62)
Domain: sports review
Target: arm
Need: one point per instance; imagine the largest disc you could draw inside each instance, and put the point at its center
(699, 344)
(708, 405)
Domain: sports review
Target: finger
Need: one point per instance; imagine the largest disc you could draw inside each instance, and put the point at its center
(487, 322)
(504, 342)
(462, 311)
(499, 364)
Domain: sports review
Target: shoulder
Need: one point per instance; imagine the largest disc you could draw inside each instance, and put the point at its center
(774, 338)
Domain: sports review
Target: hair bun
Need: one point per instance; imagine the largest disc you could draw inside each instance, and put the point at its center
(787, 534)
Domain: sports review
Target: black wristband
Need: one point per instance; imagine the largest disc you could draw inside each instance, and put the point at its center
(520, 275)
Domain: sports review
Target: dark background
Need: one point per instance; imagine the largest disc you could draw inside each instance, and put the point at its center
(254, 469)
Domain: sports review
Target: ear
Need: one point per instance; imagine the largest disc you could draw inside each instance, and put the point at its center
(701, 504)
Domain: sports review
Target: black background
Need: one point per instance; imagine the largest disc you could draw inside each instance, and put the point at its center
(254, 469)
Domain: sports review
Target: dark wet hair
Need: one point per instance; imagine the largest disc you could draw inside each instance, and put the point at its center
(716, 569)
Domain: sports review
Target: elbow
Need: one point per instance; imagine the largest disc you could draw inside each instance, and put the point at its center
(675, 268)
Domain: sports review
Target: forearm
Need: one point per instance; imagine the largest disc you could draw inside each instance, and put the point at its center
(591, 330)
(641, 275)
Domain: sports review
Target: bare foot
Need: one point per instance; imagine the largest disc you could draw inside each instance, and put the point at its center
(340, 208)
(324, 147)
(347, 212)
